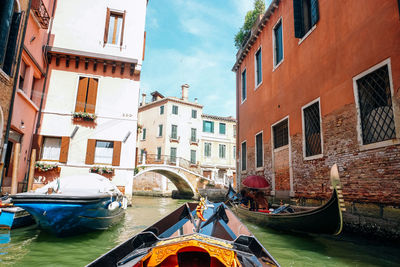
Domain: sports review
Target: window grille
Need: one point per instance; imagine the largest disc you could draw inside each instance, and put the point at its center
(280, 131)
(376, 112)
(312, 130)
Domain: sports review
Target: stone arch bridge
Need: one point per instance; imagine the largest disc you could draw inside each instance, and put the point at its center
(187, 177)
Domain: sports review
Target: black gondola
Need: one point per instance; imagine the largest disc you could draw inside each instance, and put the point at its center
(181, 240)
(326, 219)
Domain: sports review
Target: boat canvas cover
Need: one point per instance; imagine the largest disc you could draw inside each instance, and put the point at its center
(87, 184)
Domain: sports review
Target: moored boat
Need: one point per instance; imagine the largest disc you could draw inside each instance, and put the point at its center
(326, 219)
(74, 204)
(14, 217)
(204, 234)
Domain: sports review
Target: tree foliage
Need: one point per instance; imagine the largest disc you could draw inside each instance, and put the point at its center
(250, 19)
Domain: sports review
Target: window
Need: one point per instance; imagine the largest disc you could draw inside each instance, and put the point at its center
(244, 156)
(175, 110)
(207, 150)
(86, 96)
(160, 130)
(9, 31)
(306, 15)
(174, 132)
(208, 126)
(142, 152)
(173, 154)
(278, 44)
(234, 152)
(222, 151)
(244, 85)
(375, 106)
(193, 135)
(222, 128)
(161, 110)
(259, 150)
(258, 67)
(51, 148)
(144, 134)
(280, 132)
(312, 130)
(159, 153)
(234, 130)
(22, 71)
(193, 156)
(114, 30)
(194, 114)
(104, 152)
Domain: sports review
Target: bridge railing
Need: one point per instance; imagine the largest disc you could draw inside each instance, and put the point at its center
(169, 160)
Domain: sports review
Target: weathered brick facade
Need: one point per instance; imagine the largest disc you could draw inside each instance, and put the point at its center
(349, 41)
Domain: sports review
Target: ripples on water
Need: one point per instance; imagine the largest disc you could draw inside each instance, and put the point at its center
(33, 247)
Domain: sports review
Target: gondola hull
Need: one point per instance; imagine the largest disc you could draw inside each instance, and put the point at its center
(326, 219)
(183, 239)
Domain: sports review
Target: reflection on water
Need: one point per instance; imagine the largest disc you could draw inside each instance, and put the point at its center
(33, 247)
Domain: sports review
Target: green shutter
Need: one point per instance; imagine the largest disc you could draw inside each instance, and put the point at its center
(314, 12)
(298, 18)
(212, 126)
(12, 43)
(6, 12)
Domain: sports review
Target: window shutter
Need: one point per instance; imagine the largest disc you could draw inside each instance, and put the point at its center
(64, 149)
(116, 153)
(107, 26)
(92, 96)
(144, 45)
(12, 43)
(91, 146)
(212, 127)
(314, 12)
(5, 22)
(37, 144)
(122, 29)
(298, 18)
(81, 96)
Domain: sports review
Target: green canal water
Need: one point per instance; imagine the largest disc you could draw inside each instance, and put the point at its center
(33, 247)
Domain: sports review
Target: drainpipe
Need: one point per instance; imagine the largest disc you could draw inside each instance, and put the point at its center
(13, 94)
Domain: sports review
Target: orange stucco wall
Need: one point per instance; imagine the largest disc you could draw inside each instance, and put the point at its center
(349, 38)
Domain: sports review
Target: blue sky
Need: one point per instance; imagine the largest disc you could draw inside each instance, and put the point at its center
(192, 41)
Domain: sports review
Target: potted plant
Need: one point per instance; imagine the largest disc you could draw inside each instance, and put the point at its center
(102, 170)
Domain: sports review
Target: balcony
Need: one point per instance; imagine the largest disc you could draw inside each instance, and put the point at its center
(40, 13)
(174, 139)
(194, 142)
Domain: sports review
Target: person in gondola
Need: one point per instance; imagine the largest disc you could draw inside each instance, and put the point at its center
(244, 200)
(261, 201)
(251, 197)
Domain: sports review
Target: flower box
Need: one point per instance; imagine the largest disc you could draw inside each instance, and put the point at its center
(102, 170)
(83, 116)
(46, 167)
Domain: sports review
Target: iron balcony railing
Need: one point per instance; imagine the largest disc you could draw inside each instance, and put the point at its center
(40, 12)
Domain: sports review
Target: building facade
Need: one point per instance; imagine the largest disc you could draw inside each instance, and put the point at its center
(89, 117)
(13, 20)
(318, 84)
(175, 129)
(218, 148)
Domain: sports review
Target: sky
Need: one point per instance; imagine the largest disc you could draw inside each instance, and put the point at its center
(192, 42)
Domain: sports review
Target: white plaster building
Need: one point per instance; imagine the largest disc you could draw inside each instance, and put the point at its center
(173, 129)
(95, 62)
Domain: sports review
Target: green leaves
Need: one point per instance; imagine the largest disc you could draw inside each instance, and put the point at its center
(251, 17)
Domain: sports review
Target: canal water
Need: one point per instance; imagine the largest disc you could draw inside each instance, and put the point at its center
(33, 247)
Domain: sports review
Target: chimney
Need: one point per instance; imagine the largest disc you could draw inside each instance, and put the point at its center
(195, 100)
(143, 99)
(185, 92)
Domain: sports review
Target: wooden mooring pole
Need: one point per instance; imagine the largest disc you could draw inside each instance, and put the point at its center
(31, 170)
(14, 179)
